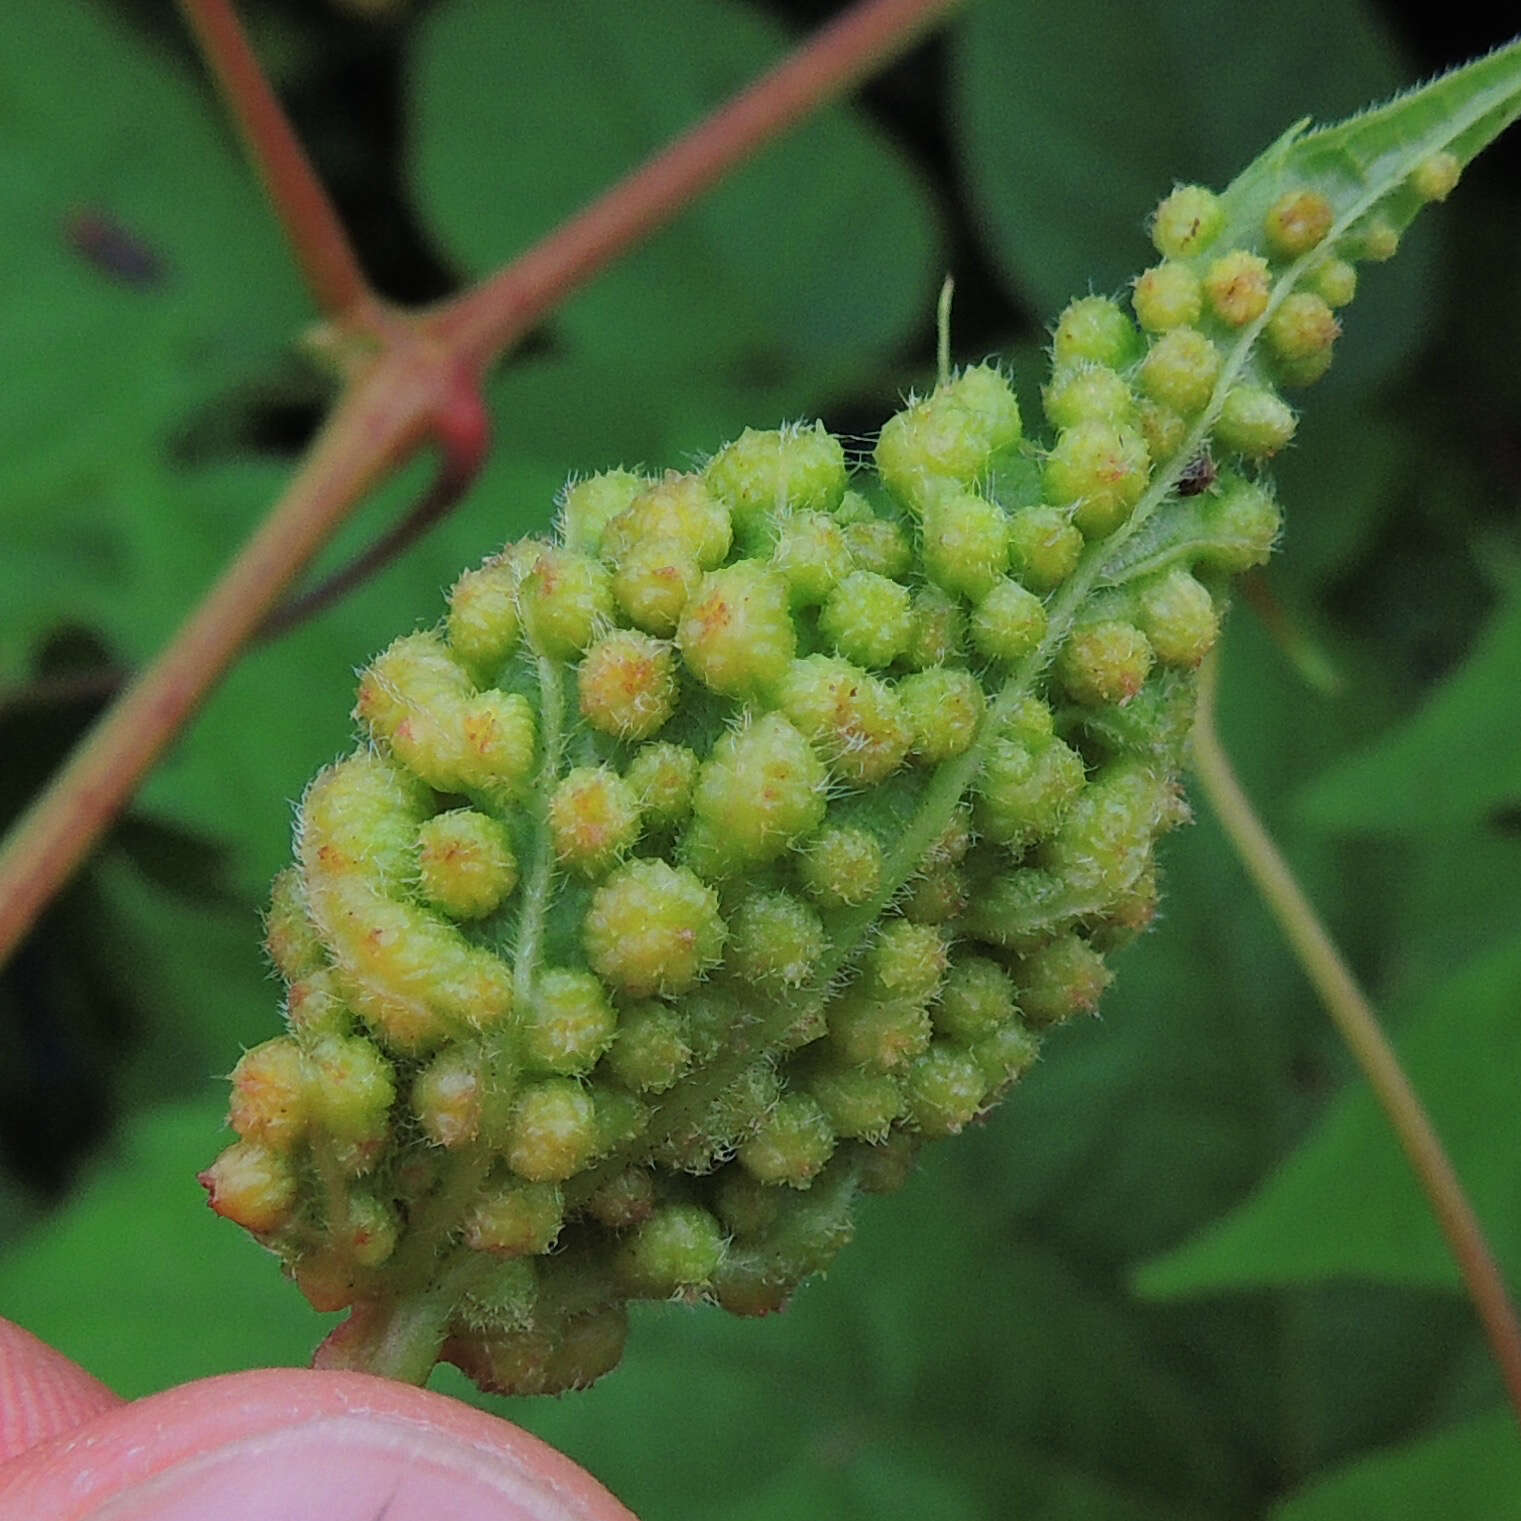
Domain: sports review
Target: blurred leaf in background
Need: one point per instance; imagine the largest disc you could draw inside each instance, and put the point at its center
(982, 1349)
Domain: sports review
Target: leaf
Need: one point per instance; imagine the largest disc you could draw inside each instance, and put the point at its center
(822, 246)
(1345, 1204)
(1455, 762)
(1074, 119)
(143, 1287)
(1472, 1470)
(142, 277)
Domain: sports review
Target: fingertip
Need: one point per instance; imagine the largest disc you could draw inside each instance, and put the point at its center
(42, 1393)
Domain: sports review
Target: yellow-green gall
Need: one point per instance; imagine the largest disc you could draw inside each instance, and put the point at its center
(1180, 370)
(653, 583)
(483, 621)
(1064, 977)
(290, 937)
(1026, 787)
(796, 468)
(1237, 286)
(842, 867)
(1178, 616)
(653, 928)
(943, 1090)
(568, 1023)
(1102, 662)
(1006, 1055)
(1087, 393)
(520, 1220)
(867, 618)
(1254, 421)
(1163, 429)
(906, 963)
(678, 510)
(1044, 546)
(882, 1036)
(269, 1099)
(812, 554)
(593, 819)
(1335, 282)
(792, 1145)
(762, 788)
(950, 438)
(589, 505)
(553, 1132)
(627, 684)
(966, 543)
(737, 635)
(1436, 177)
(879, 545)
(371, 1231)
(1167, 295)
(944, 707)
(651, 1050)
(1242, 522)
(1094, 330)
(859, 1105)
(936, 896)
(746, 1205)
(1008, 623)
(1187, 221)
(1297, 222)
(466, 867)
(563, 601)
(314, 1006)
(936, 628)
(662, 776)
(352, 1089)
(252, 1185)
(775, 941)
(977, 998)
(1377, 239)
(1101, 468)
(1301, 334)
(679, 1247)
(448, 1098)
(855, 721)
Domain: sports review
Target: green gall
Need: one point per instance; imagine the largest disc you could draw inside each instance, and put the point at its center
(466, 867)
(568, 1023)
(1006, 1055)
(679, 1247)
(791, 1145)
(1087, 393)
(1009, 623)
(1254, 421)
(858, 1105)
(880, 546)
(867, 618)
(1026, 787)
(736, 633)
(290, 937)
(1093, 330)
(1242, 521)
(978, 998)
(944, 708)
(627, 685)
(813, 555)
(760, 474)
(625, 1199)
(936, 628)
(483, 621)
(760, 790)
(906, 964)
(855, 721)
(1436, 177)
(1178, 616)
(1180, 371)
(520, 1220)
(1237, 286)
(1064, 977)
(448, 1097)
(651, 1050)
(1163, 429)
(593, 819)
(1187, 221)
(1377, 239)
(1297, 222)
(553, 1131)
(966, 543)
(1044, 547)
(1300, 335)
(943, 1090)
(269, 1100)
(677, 510)
(588, 506)
(880, 1036)
(1166, 296)
(775, 941)
(1104, 662)
(1101, 470)
(663, 776)
(1335, 282)
(564, 600)
(842, 867)
(653, 928)
(653, 583)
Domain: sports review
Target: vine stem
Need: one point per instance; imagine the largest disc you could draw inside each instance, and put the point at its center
(411, 380)
(1358, 1026)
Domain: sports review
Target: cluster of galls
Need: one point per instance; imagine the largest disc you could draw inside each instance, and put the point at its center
(712, 856)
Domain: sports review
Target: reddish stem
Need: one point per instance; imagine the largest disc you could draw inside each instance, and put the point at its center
(317, 237)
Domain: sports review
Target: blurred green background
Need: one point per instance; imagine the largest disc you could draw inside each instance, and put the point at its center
(1182, 1273)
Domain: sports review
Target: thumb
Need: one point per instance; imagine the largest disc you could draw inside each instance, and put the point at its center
(286, 1443)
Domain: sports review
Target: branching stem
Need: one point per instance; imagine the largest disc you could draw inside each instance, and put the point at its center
(1358, 1026)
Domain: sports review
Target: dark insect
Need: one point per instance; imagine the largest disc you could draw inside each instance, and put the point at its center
(1199, 474)
(113, 249)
